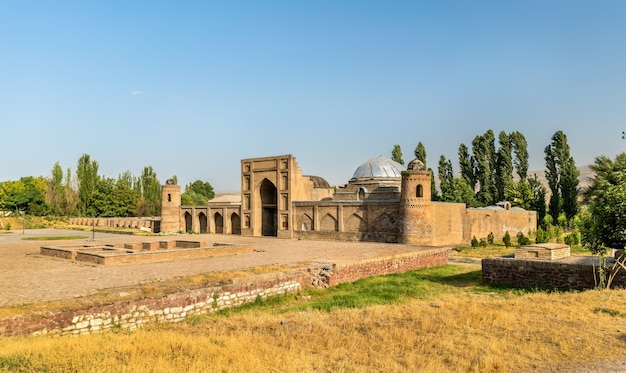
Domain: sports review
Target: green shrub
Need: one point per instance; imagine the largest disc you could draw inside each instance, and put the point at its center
(474, 242)
(572, 238)
(541, 236)
(521, 239)
(482, 243)
(490, 238)
(507, 239)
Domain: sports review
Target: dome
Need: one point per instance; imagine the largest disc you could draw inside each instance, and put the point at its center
(379, 167)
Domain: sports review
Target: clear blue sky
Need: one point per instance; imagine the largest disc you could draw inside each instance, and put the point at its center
(192, 87)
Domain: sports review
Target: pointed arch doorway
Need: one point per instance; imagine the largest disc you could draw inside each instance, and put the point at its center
(269, 218)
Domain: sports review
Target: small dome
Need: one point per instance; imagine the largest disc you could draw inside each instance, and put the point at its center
(379, 167)
(318, 182)
(416, 165)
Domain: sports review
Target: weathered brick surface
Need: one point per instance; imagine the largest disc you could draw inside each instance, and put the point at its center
(571, 274)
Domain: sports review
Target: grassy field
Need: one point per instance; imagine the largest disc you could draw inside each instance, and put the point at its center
(434, 320)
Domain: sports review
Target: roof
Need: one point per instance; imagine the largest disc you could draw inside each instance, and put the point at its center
(318, 182)
(379, 167)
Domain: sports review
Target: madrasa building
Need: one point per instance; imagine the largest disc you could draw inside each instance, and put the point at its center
(382, 202)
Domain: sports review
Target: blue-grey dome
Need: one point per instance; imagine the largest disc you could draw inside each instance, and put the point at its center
(379, 167)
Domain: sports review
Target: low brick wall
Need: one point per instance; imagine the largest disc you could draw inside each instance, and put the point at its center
(175, 307)
(172, 308)
(387, 265)
(569, 273)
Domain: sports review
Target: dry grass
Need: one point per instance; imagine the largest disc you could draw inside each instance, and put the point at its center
(458, 327)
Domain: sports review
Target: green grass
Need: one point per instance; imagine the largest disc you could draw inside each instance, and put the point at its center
(381, 290)
(499, 249)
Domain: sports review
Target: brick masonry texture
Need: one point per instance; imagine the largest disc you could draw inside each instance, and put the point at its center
(575, 273)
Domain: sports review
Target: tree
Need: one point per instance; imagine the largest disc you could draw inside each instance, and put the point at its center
(55, 194)
(198, 193)
(111, 199)
(445, 177)
(420, 153)
(504, 166)
(485, 156)
(25, 195)
(453, 189)
(520, 149)
(150, 193)
(87, 178)
(466, 163)
(396, 154)
(562, 176)
(607, 173)
(538, 202)
(604, 227)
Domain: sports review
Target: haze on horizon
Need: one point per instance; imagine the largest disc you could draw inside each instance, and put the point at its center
(192, 88)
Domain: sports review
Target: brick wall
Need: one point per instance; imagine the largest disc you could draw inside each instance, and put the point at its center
(388, 265)
(573, 274)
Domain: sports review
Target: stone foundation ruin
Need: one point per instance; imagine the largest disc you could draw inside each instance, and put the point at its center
(547, 265)
(142, 252)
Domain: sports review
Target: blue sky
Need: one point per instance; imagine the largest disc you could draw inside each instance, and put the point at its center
(192, 87)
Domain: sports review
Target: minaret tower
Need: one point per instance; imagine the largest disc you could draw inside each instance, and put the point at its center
(170, 207)
(415, 205)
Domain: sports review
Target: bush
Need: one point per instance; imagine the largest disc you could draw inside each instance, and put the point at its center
(521, 239)
(490, 238)
(482, 243)
(572, 238)
(542, 237)
(507, 239)
(474, 242)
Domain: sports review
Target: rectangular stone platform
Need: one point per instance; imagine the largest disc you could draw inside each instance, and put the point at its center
(543, 251)
(142, 252)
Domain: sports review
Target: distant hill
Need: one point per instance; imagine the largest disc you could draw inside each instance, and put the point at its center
(584, 179)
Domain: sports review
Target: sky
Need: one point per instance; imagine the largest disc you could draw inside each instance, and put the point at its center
(192, 87)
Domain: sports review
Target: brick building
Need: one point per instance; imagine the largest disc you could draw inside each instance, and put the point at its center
(382, 202)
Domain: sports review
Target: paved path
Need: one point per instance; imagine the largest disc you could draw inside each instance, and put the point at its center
(26, 276)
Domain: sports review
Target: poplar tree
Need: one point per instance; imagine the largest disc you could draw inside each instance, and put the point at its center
(87, 178)
(420, 153)
(485, 156)
(504, 166)
(396, 154)
(562, 176)
(445, 177)
(466, 163)
(150, 198)
(520, 149)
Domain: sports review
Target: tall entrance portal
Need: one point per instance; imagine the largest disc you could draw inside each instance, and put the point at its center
(270, 208)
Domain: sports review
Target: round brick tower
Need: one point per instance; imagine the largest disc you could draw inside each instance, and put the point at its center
(170, 207)
(415, 205)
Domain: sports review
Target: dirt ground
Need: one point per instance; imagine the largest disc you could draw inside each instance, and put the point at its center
(27, 277)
